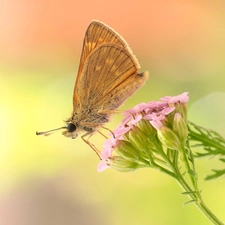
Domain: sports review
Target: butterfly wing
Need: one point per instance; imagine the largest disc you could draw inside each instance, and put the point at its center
(109, 76)
(97, 33)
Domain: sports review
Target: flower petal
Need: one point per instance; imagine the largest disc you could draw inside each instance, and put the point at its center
(103, 165)
(137, 118)
(168, 110)
(157, 124)
(182, 98)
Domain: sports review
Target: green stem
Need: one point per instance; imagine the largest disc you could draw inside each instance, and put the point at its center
(198, 201)
(154, 165)
(195, 195)
(188, 168)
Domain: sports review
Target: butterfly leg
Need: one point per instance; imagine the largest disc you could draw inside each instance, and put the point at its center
(89, 143)
(102, 134)
(108, 130)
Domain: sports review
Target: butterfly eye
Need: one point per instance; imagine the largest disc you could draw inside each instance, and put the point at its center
(71, 127)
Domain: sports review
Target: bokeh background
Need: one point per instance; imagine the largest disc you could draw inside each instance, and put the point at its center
(53, 180)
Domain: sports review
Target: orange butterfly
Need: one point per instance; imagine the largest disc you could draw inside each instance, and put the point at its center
(107, 76)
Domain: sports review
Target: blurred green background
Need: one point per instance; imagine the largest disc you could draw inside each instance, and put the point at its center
(53, 180)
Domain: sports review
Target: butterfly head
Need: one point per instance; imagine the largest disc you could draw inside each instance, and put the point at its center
(69, 131)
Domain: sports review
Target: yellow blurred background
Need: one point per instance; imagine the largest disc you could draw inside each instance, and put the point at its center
(53, 180)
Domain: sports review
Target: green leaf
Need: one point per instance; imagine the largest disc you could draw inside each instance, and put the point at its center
(192, 173)
(217, 174)
(188, 192)
(191, 201)
(223, 160)
(213, 144)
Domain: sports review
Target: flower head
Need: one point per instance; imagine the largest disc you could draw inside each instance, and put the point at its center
(133, 137)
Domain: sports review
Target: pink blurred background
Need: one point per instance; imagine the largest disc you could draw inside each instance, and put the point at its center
(157, 29)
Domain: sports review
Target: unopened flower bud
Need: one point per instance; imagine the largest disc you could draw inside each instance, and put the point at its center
(182, 110)
(127, 151)
(147, 128)
(123, 165)
(169, 138)
(138, 138)
(180, 127)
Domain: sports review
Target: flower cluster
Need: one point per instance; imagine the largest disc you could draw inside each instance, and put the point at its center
(157, 135)
(141, 130)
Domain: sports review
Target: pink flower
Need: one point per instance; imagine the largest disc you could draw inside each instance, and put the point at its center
(138, 108)
(168, 110)
(154, 116)
(155, 112)
(137, 118)
(108, 146)
(121, 130)
(132, 116)
(103, 165)
(157, 124)
(182, 98)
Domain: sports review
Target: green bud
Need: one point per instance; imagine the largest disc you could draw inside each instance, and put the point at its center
(123, 165)
(147, 128)
(179, 108)
(169, 119)
(182, 110)
(126, 136)
(138, 138)
(127, 151)
(180, 127)
(169, 138)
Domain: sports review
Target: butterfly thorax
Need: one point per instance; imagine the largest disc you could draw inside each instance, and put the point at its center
(88, 121)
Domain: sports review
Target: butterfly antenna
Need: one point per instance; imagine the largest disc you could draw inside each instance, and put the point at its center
(46, 133)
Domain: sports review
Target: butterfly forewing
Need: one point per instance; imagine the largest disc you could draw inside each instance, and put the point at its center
(97, 34)
(106, 68)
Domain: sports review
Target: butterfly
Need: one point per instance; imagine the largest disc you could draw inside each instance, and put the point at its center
(107, 76)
